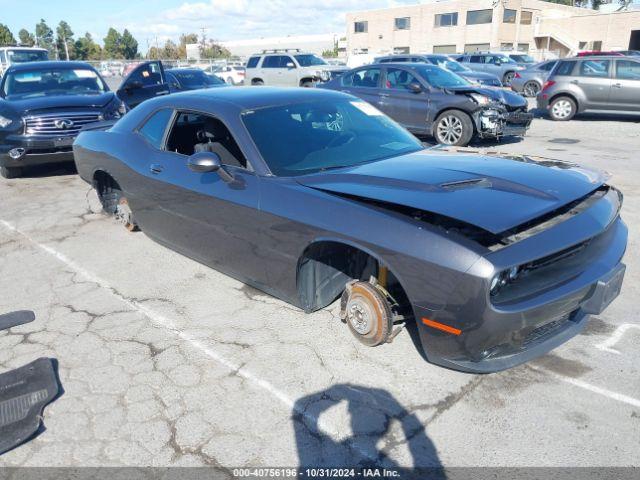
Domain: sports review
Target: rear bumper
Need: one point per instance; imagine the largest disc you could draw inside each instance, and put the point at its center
(489, 338)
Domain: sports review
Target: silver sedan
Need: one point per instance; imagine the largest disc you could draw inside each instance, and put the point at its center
(529, 82)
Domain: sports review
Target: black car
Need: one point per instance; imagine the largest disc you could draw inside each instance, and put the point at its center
(447, 62)
(43, 106)
(151, 79)
(430, 100)
(314, 196)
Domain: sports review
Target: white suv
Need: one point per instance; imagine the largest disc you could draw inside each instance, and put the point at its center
(286, 68)
(11, 55)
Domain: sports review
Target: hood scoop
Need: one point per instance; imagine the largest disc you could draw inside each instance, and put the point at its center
(471, 183)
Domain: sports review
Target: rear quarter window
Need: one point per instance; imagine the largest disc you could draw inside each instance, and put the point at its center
(155, 126)
(565, 68)
(253, 62)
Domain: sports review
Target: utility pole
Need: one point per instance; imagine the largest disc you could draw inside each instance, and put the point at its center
(66, 47)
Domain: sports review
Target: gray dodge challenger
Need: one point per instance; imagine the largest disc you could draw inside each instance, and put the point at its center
(315, 196)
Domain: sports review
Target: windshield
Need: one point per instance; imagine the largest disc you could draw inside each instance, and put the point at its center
(51, 82)
(314, 136)
(523, 58)
(196, 79)
(450, 65)
(440, 78)
(502, 59)
(309, 60)
(24, 56)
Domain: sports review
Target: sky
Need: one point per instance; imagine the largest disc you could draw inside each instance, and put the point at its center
(157, 20)
(223, 19)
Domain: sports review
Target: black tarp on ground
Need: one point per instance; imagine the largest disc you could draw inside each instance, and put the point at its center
(24, 392)
(13, 319)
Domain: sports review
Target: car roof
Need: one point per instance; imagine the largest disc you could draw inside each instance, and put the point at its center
(17, 67)
(184, 69)
(256, 97)
(22, 47)
(600, 57)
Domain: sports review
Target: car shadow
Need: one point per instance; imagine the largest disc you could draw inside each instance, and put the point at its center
(50, 170)
(378, 425)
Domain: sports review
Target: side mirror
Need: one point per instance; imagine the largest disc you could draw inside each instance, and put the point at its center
(415, 87)
(290, 65)
(206, 162)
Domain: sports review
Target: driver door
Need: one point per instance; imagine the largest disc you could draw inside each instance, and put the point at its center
(405, 106)
(148, 80)
(204, 217)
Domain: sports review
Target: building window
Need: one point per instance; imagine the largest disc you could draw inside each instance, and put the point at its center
(509, 16)
(597, 45)
(506, 46)
(361, 27)
(582, 45)
(403, 23)
(477, 17)
(444, 49)
(446, 19)
(526, 17)
(523, 47)
(476, 47)
(401, 50)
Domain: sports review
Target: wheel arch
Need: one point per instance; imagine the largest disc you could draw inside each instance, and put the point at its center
(565, 94)
(327, 264)
(256, 80)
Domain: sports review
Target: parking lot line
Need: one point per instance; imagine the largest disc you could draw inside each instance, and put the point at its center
(619, 397)
(607, 345)
(161, 321)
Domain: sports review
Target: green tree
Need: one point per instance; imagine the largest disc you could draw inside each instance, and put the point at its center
(86, 49)
(113, 44)
(26, 38)
(170, 50)
(64, 40)
(214, 50)
(128, 45)
(6, 37)
(44, 36)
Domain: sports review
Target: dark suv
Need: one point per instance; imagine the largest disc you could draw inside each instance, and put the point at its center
(602, 84)
(43, 107)
(430, 100)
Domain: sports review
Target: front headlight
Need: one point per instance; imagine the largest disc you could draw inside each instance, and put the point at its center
(115, 110)
(480, 99)
(503, 278)
(5, 122)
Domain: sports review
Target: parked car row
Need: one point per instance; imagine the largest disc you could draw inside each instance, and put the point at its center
(279, 187)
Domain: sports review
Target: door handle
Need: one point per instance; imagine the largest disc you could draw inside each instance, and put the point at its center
(617, 85)
(575, 82)
(156, 168)
(384, 95)
(163, 92)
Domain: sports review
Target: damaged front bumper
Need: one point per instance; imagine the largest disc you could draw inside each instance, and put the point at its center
(496, 121)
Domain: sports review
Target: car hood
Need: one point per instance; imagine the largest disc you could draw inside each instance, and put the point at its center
(495, 193)
(500, 95)
(60, 102)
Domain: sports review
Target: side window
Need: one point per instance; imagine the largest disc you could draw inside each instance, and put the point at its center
(271, 62)
(547, 66)
(565, 68)
(476, 59)
(398, 79)
(286, 60)
(595, 68)
(368, 78)
(3, 58)
(195, 132)
(148, 75)
(253, 62)
(627, 70)
(155, 126)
